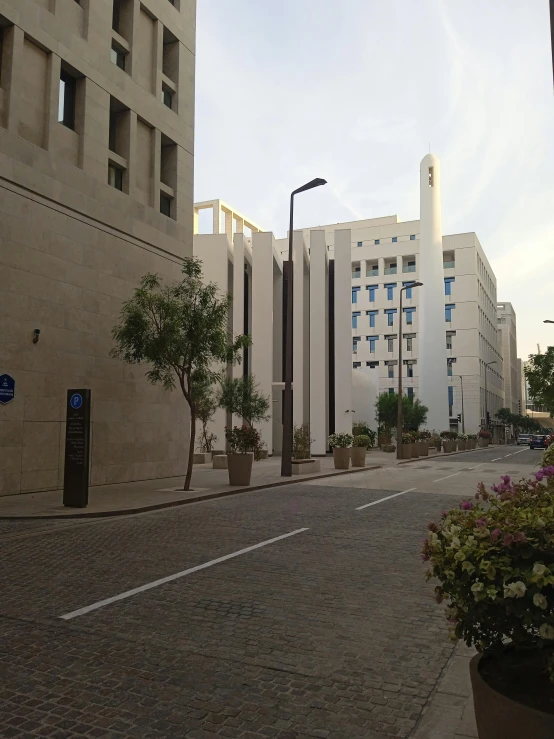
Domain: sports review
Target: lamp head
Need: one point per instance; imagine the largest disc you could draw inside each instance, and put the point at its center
(310, 185)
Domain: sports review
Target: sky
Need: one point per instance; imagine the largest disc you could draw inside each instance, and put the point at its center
(356, 91)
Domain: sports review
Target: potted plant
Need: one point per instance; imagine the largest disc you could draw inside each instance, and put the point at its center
(407, 444)
(494, 559)
(341, 444)
(242, 397)
(423, 442)
(462, 443)
(362, 429)
(244, 442)
(448, 444)
(472, 441)
(484, 438)
(436, 441)
(360, 445)
(301, 442)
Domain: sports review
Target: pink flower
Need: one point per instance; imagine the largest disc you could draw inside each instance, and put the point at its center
(444, 514)
(481, 523)
(508, 540)
(496, 534)
(466, 505)
(520, 537)
(505, 479)
(539, 475)
(433, 527)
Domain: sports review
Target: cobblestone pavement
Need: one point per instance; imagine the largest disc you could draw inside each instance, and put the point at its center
(329, 633)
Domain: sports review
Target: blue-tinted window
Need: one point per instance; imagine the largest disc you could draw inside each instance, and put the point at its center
(391, 391)
(372, 340)
(394, 239)
(448, 285)
(409, 370)
(355, 317)
(391, 371)
(409, 314)
(377, 242)
(450, 398)
(390, 316)
(448, 311)
(355, 291)
(371, 290)
(412, 237)
(410, 392)
(372, 314)
(360, 243)
(409, 290)
(356, 365)
(390, 290)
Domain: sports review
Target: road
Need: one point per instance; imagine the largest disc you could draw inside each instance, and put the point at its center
(293, 612)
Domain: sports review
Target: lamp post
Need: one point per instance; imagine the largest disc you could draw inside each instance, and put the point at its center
(286, 454)
(400, 419)
(547, 321)
(463, 414)
(487, 365)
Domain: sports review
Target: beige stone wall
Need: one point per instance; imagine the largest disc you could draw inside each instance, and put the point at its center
(72, 248)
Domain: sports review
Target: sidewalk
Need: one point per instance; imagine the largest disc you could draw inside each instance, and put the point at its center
(449, 713)
(136, 497)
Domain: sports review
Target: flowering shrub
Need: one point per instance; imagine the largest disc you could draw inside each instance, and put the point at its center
(484, 434)
(341, 441)
(244, 439)
(472, 436)
(452, 435)
(362, 441)
(408, 437)
(548, 456)
(424, 435)
(494, 559)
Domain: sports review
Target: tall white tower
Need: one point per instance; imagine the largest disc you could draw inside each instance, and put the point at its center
(433, 385)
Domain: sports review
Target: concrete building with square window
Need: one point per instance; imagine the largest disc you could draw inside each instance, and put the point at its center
(96, 189)
(385, 256)
(507, 329)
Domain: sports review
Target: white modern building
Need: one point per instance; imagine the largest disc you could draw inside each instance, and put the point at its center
(506, 321)
(253, 270)
(347, 281)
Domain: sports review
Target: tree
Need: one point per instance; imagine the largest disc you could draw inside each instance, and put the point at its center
(413, 411)
(540, 376)
(181, 331)
(242, 397)
(506, 416)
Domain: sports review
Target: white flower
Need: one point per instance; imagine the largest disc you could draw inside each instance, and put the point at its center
(539, 568)
(470, 542)
(468, 567)
(515, 590)
(455, 544)
(539, 523)
(433, 539)
(540, 601)
(546, 631)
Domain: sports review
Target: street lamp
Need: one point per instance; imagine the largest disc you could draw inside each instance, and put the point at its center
(547, 321)
(400, 420)
(487, 365)
(286, 453)
(462, 388)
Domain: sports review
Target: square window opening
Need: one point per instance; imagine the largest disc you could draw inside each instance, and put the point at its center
(67, 99)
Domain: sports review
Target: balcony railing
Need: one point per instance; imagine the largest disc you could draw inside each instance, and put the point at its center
(390, 270)
(372, 273)
(409, 268)
(356, 274)
(449, 265)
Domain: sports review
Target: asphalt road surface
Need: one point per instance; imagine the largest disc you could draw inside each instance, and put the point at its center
(294, 612)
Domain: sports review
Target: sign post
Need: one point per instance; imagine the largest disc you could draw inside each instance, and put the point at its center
(7, 389)
(77, 449)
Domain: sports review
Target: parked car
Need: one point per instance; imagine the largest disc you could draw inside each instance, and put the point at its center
(523, 438)
(538, 441)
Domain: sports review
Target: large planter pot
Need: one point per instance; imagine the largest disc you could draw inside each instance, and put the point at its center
(423, 448)
(500, 717)
(462, 445)
(240, 468)
(415, 450)
(341, 457)
(483, 443)
(438, 445)
(449, 446)
(406, 451)
(358, 456)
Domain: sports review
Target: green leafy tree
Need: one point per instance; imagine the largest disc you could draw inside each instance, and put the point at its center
(540, 376)
(506, 416)
(181, 331)
(413, 411)
(206, 406)
(242, 397)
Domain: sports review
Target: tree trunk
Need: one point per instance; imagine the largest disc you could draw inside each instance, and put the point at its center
(188, 476)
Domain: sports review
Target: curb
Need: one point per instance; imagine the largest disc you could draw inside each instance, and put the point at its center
(448, 454)
(177, 503)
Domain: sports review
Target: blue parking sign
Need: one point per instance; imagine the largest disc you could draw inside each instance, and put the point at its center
(7, 389)
(76, 401)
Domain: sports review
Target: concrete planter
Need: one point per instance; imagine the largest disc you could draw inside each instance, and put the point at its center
(263, 454)
(341, 457)
(358, 456)
(449, 446)
(462, 445)
(500, 717)
(473, 443)
(483, 443)
(240, 468)
(406, 451)
(415, 450)
(423, 448)
(438, 445)
(202, 458)
(388, 448)
(219, 462)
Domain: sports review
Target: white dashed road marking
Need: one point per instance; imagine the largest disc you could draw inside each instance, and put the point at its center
(382, 500)
(176, 576)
